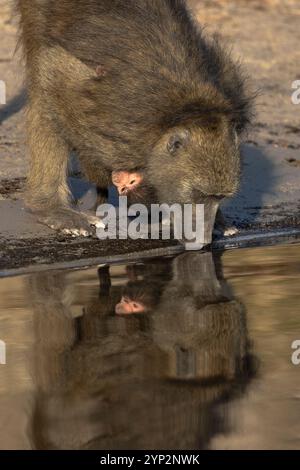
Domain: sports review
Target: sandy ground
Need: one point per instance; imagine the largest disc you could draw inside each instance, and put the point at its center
(12, 142)
(265, 36)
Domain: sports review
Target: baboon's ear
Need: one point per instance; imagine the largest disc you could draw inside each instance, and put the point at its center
(177, 141)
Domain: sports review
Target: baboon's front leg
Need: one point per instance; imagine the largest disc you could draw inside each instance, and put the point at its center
(48, 194)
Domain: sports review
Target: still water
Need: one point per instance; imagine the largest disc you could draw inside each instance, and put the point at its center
(191, 352)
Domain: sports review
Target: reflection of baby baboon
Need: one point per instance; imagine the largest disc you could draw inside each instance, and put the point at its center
(149, 380)
(143, 295)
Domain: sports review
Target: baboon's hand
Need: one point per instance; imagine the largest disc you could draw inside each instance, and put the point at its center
(70, 222)
(222, 228)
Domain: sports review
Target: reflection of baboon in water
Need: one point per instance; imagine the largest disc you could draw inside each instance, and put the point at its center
(152, 380)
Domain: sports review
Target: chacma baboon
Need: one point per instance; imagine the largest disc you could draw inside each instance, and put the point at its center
(145, 381)
(148, 102)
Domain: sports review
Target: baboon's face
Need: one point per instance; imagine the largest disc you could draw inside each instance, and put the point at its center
(190, 164)
(129, 306)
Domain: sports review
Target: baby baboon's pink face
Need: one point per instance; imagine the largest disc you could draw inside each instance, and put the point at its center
(127, 306)
(126, 181)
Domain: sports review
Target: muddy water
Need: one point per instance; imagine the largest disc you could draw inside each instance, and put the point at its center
(206, 364)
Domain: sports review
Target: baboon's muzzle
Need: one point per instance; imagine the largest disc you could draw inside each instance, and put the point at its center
(197, 231)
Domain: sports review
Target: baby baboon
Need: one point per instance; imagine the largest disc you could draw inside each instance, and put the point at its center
(146, 100)
(143, 291)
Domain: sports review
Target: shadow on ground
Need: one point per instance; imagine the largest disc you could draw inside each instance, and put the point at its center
(13, 106)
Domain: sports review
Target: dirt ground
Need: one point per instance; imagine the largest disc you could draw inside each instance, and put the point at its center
(265, 36)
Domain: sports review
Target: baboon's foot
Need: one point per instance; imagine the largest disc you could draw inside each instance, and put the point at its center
(71, 222)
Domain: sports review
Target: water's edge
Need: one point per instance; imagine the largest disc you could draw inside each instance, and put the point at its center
(243, 240)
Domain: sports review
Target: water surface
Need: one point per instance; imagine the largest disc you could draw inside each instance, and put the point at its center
(190, 352)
